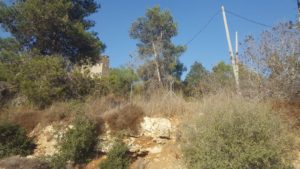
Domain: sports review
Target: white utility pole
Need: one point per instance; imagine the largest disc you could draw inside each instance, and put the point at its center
(237, 52)
(298, 11)
(233, 58)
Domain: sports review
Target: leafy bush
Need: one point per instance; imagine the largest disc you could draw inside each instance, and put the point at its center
(14, 141)
(6, 92)
(117, 158)
(199, 81)
(9, 60)
(41, 79)
(194, 79)
(127, 118)
(79, 85)
(9, 67)
(57, 162)
(79, 142)
(44, 80)
(237, 133)
(120, 81)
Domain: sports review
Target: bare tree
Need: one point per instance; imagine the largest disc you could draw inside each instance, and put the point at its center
(275, 57)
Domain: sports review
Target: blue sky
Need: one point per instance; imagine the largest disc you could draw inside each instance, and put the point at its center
(115, 17)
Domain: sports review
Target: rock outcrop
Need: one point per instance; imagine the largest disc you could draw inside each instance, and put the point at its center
(153, 145)
(156, 127)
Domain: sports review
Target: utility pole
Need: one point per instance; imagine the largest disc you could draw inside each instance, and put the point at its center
(233, 58)
(237, 52)
(298, 11)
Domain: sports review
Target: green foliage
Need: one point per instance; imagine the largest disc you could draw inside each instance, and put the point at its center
(221, 78)
(154, 32)
(6, 93)
(14, 141)
(9, 59)
(41, 79)
(150, 27)
(54, 27)
(194, 80)
(57, 162)
(196, 74)
(120, 80)
(9, 67)
(199, 81)
(117, 158)
(223, 72)
(79, 142)
(79, 85)
(44, 80)
(9, 48)
(8, 72)
(237, 133)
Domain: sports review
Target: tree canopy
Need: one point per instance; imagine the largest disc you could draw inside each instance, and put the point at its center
(154, 32)
(53, 27)
(275, 58)
(196, 74)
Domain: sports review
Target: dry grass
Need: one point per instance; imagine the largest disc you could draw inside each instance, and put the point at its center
(95, 107)
(26, 117)
(112, 109)
(29, 117)
(23, 163)
(126, 119)
(290, 111)
(165, 104)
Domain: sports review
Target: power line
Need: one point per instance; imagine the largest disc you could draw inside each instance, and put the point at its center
(203, 28)
(247, 19)
(216, 14)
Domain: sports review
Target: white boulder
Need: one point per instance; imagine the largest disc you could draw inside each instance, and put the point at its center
(156, 127)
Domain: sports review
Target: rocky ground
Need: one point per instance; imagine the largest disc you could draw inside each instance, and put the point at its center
(154, 146)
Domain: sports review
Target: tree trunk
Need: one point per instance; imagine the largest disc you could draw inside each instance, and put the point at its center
(156, 60)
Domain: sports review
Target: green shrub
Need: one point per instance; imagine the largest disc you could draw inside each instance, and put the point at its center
(44, 80)
(78, 144)
(117, 158)
(9, 67)
(79, 85)
(120, 81)
(6, 92)
(57, 162)
(41, 79)
(237, 133)
(14, 141)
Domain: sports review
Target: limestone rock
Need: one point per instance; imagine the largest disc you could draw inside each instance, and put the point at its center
(156, 127)
(46, 142)
(47, 138)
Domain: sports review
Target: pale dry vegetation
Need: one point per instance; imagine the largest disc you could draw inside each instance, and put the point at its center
(233, 132)
(23, 163)
(165, 104)
(128, 119)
